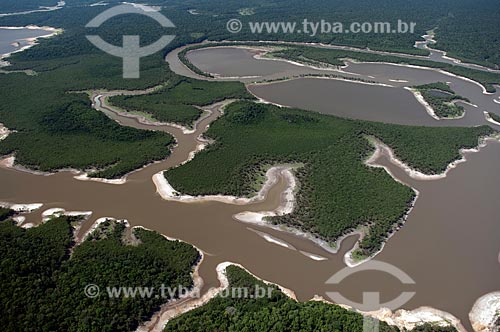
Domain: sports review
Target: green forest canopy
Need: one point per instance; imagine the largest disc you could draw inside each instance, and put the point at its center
(42, 286)
(276, 313)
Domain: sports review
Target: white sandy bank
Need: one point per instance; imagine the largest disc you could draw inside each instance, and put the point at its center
(58, 212)
(409, 319)
(488, 118)
(4, 132)
(423, 102)
(21, 207)
(485, 313)
(382, 148)
(168, 193)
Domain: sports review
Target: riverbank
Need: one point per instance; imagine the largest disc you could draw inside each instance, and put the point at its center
(4, 132)
(485, 314)
(488, 118)
(30, 41)
(60, 4)
(168, 193)
(415, 174)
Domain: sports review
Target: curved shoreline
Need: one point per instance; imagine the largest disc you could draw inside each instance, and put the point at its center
(168, 193)
(4, 132)
(486, 312)
(30, 41)
(488, 118)
(417, 175)
(214, 44)
(60, 4)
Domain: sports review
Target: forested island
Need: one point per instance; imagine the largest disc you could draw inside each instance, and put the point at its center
(442, 99)
(43, 275)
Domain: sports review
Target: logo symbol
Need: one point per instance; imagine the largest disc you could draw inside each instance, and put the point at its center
(371, 300)
(91, 291)
(131, 51)
(234, 25)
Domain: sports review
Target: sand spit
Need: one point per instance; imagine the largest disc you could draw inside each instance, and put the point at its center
(313, 256)
(490, 119)
(20, 207)
(272, 239)
(485, 313)
(58, 212)
(4, 132)
(423, 102)
(86, 177)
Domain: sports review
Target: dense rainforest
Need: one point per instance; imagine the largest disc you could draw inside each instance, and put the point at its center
(337, 191)
(276, 313)
(43, 276)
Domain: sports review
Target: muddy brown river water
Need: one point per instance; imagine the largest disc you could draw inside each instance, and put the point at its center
(449, 244)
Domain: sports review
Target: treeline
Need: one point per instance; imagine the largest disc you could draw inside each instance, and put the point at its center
(42, 286)
(177, 100)
(5, 213)
(337, 192)
(276, 313)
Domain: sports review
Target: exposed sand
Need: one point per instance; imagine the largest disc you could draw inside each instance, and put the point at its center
(4, 132)
(85, 177)
(490, 119)
(485, 313)
(167, 192)
(409, 319)
(20, 207)
(382, 148)
(57, 212)
(59, 5)
(423, 102)
(273, 239)
(30, 41)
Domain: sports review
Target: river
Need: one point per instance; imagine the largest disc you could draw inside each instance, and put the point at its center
(449, 244)
(12, 40)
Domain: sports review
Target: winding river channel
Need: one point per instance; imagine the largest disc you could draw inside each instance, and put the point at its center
(449, 244)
